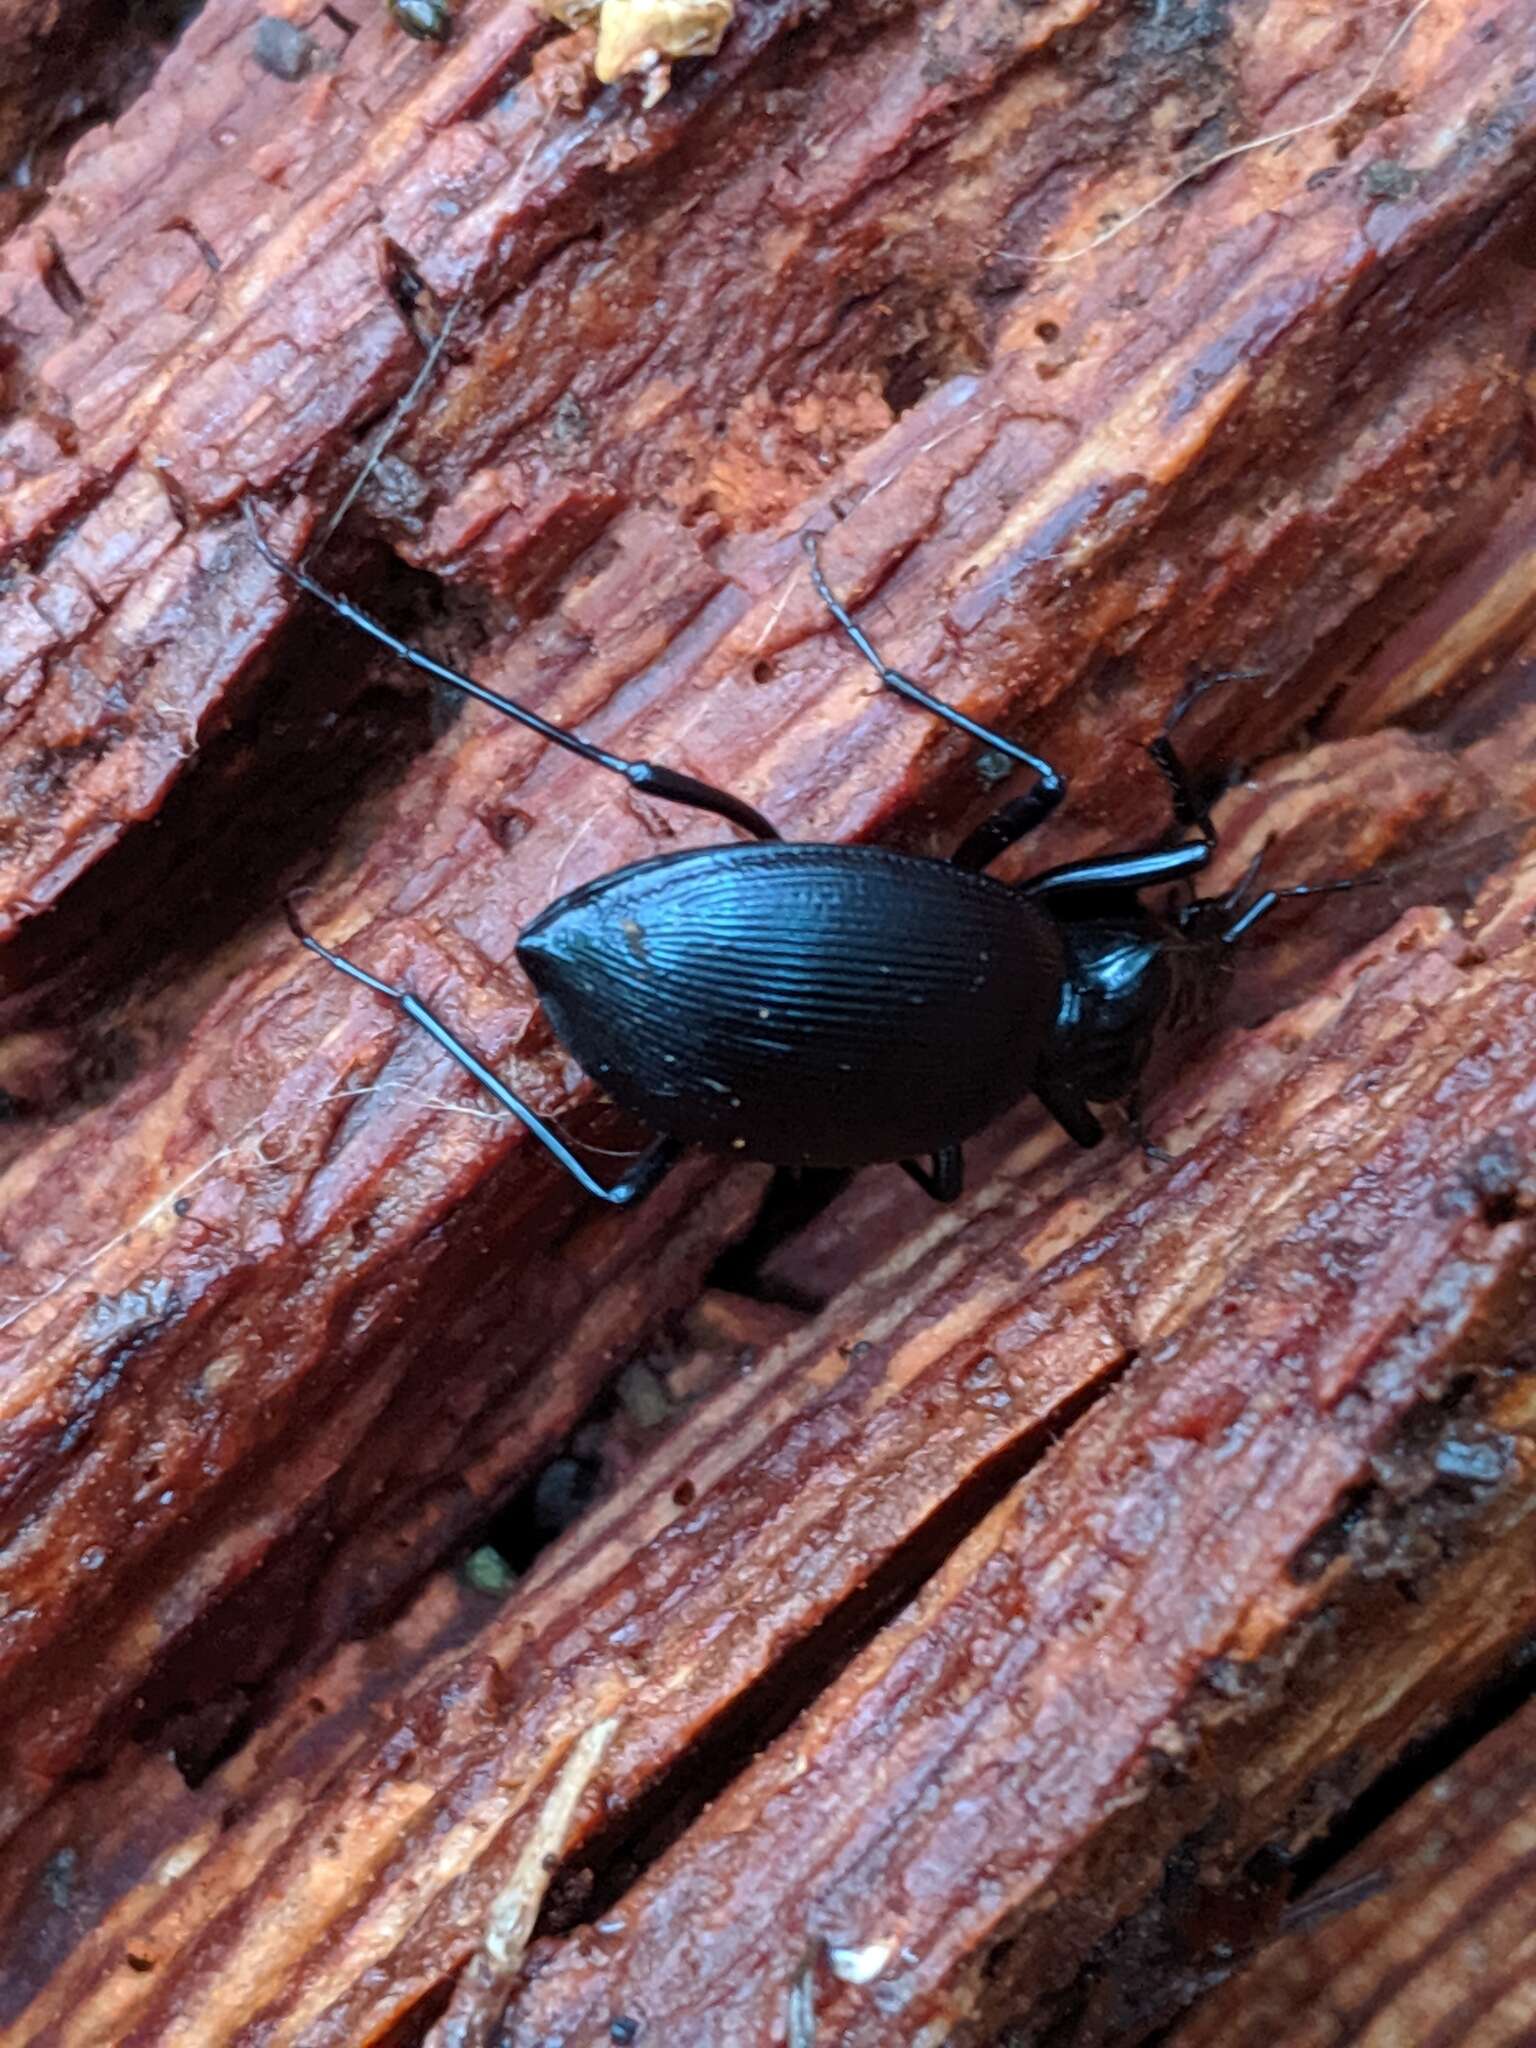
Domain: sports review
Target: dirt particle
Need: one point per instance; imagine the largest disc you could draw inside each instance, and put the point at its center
(282, 49)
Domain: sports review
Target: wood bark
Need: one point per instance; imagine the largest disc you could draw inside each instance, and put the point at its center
(281, 1331)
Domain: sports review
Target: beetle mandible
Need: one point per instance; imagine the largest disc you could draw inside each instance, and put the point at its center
(839, 1006)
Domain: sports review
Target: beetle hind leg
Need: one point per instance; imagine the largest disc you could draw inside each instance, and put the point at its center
(651, 778)
(653, 1163)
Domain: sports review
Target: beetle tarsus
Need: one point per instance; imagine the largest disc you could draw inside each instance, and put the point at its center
(1153, 1153)
(339, 960)
(1199, 686)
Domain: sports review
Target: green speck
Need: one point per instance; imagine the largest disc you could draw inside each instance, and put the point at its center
(643, 1397)
(1387, 180)
(487, 1571)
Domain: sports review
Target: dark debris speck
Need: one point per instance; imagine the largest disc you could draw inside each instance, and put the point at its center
(283, 49)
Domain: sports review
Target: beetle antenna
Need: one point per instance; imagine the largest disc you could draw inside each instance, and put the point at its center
(1263, 905)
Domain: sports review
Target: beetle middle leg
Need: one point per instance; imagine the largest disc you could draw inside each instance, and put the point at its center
(1015, 819)
(657, 1160)
(649, 777)
(1150, 866)
(1069, 1106)
(943, 1177)
(796, 1197)
(994, 835)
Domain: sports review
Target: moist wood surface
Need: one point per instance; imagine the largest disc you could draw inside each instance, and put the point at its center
(1302, 1422)
(281, 1331)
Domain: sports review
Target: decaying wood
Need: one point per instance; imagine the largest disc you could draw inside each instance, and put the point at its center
(1235, 486)
(1426, 1932)
(67, 66)
(1304, 1400)
(199, 349)
(281, 1329)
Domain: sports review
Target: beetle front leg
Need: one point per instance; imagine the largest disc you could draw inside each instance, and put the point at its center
(653, 1164)
(1262, 905)
(1188, 808)
(1151, 868)
(1144, 867)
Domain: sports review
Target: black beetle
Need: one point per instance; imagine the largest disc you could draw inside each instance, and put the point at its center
(832, 1006)
(429, 21)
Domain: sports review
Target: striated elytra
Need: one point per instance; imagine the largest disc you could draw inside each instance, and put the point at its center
(808, 1005)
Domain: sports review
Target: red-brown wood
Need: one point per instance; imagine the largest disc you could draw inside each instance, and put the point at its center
(1423, 1937)
(280, 1330)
